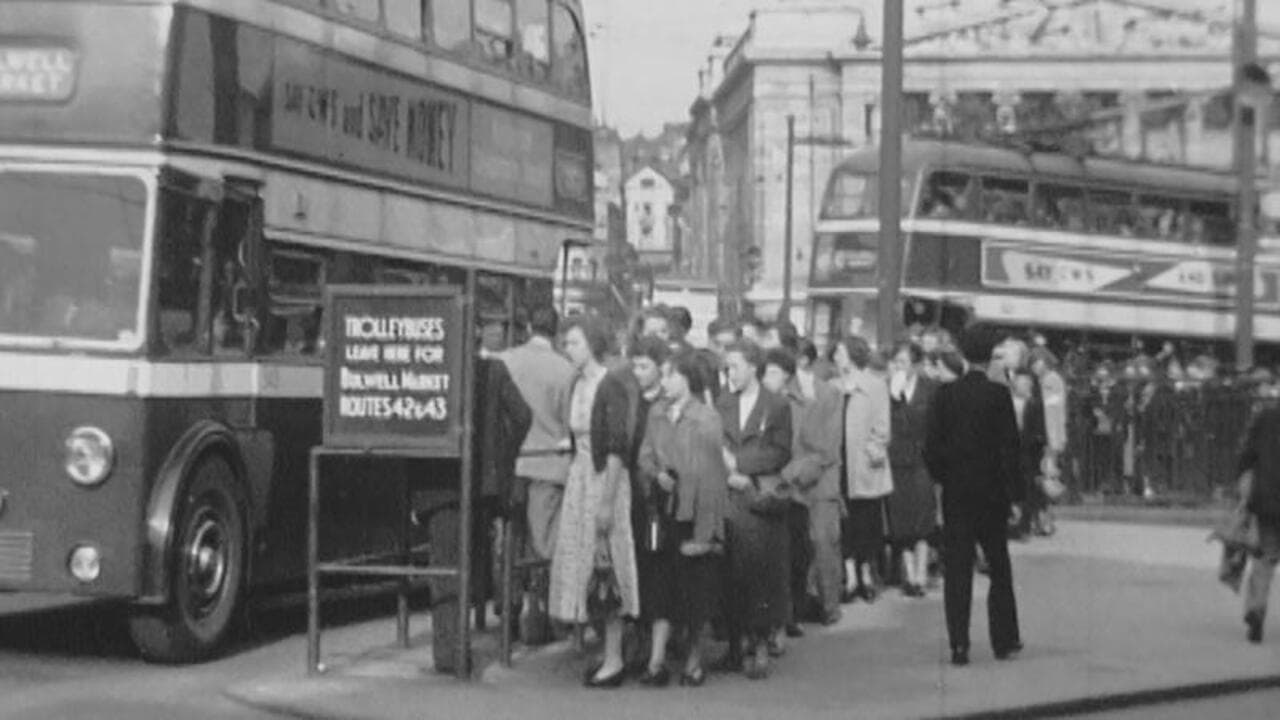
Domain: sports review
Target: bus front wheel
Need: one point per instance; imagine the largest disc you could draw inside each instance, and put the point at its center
(206, 571)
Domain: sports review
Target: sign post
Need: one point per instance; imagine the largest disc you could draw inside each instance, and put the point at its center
(397, 386)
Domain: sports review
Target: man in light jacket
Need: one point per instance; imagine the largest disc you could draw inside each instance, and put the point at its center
(814, 471)
(868, 479)
(545, 379)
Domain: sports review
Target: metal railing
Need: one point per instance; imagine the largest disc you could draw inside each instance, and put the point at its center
(1158, 439)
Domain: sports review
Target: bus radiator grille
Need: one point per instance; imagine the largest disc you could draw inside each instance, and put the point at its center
(16, 553)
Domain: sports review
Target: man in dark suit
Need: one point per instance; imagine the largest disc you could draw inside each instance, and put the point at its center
(500, 421)
(971, 450)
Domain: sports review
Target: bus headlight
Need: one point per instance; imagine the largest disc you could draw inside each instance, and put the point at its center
(90, 456)
(85, 563)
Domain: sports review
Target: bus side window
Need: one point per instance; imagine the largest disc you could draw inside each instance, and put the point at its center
(1004, 200)
(568, 53)
(404, 17)
(948, 195)
(1058, 207)
(295, 283)
(367, 10)
(495, 31)
(1210, 223)
(1160, 217)
(450, 22)
(185, 220)
(1112, 212)
(533, 25)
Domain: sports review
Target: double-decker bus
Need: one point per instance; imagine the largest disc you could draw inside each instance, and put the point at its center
(1081, 248)
(179, 180)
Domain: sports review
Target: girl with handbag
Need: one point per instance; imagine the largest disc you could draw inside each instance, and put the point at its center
(680, 462)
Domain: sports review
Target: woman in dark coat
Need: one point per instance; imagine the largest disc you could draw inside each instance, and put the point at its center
(757, 442)
(913, 510)
(682, 466)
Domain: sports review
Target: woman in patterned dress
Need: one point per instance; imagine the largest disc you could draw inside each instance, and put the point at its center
(595, 518)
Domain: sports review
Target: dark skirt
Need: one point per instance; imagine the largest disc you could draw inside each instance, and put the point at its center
(863, 533)
(677, 588)
(913, 508)
(757, 590)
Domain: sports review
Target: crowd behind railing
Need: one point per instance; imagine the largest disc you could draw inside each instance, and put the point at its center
(1155, 426)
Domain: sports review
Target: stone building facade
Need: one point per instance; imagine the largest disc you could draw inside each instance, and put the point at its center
(1002, 61)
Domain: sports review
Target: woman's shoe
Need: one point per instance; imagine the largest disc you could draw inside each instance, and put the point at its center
(661, 678)
(610, 682)
(693, 679)
(848, 596)
(757, 665)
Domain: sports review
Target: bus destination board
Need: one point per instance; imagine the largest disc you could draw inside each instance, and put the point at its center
(393, 368)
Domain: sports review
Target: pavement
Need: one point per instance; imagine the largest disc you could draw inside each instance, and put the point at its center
(1113, 615)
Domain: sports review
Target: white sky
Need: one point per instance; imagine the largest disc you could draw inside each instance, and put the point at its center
(646, 53)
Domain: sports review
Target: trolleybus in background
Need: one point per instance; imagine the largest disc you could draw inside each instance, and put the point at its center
(179, 180)
(1080, 248)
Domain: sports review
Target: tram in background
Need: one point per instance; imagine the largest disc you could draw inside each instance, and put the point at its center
(1096, 250)
(179, 180)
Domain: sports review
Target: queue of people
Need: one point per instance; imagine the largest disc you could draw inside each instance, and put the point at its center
(742, 490)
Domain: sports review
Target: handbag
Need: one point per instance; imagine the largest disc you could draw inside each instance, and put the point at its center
(603, 596)
(770, 495)
(1052, 487)
(658, 529)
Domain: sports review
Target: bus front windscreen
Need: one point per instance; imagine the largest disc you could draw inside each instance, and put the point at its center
(856, 194)
(70, 257)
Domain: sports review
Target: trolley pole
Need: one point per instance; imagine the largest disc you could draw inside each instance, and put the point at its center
(889, 249)
(784, 312)
(1246, 52)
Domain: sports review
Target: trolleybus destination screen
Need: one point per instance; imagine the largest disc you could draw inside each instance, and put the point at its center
(393, 368)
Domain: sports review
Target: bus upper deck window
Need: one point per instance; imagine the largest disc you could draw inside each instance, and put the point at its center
(533, 22)
(568, 53)
(367, 10)
(947, 195)
(451, 23)
(1058, 207)
(1210, 223)
(1004, 200)
(404, 17)
(494, 29)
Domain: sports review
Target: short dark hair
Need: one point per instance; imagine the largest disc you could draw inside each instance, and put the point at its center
(788, 335)
(595, 331)
(949, 359)
(679, 316)
(544, 321)
(806, 349)
(750, 352)
(686, 363)
(976, 344)
(781, 357)
(723, 325)
(651, 347)
(914, 351)
(858, 348)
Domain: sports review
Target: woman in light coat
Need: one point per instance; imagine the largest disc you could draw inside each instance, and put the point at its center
(867, 477)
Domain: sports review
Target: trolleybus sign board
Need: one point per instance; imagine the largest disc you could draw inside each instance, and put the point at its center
(393, 370)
